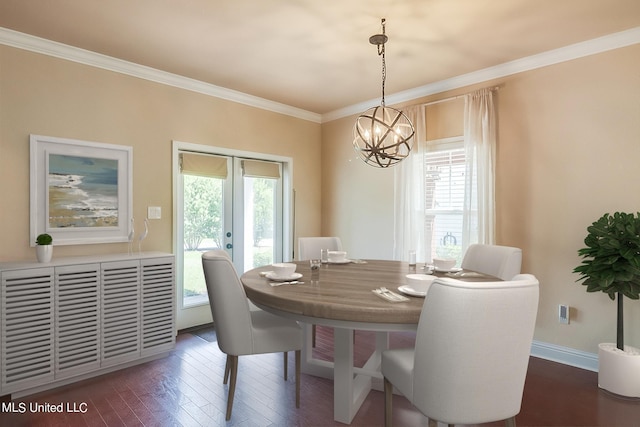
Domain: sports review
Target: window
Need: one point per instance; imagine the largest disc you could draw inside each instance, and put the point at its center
(262, 212)
(444, 195)
(202, 217)
(444, 192)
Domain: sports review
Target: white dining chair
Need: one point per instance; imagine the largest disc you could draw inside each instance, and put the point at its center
(309, 248)
(502, 262)
(241, 331)
(471, 352)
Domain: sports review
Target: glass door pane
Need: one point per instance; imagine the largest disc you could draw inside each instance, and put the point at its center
(260, 222)
(203, 230)
(203, 219)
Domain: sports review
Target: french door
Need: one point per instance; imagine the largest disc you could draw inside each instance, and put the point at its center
(227, 200)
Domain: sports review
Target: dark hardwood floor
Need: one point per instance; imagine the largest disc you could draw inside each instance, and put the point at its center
(185, 389)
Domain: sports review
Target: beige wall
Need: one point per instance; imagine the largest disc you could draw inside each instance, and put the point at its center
(48, 96)
(568, 151)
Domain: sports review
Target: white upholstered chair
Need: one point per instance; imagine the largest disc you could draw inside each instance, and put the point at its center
(471, 353)
(309, 248)
(502, 262)
(241, 331)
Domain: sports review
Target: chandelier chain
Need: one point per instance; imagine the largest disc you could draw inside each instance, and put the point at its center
(381, 51)
(384, 73)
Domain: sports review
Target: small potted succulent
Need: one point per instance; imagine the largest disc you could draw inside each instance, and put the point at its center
(44, 247)
(611, 264)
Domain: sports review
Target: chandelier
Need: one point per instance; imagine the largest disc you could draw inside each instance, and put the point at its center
(382, 136)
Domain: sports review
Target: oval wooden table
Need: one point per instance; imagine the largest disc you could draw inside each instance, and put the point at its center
(340, 295)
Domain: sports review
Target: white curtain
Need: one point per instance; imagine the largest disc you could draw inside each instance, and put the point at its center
(479, 205)
(480, 147)
(409, 206)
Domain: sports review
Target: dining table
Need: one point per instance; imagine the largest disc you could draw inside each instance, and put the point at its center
(345, 296)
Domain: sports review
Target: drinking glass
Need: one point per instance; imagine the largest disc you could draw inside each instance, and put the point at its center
(412, 257)
(324, 256)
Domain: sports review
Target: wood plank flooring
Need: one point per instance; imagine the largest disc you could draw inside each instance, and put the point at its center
(185, 389)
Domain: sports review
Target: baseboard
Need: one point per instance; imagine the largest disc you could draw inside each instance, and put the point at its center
(565, 355)
(191, 329)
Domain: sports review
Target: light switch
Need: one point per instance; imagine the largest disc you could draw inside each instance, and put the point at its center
(154, 212)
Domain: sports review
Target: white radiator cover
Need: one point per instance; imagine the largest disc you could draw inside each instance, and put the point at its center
(82, 316)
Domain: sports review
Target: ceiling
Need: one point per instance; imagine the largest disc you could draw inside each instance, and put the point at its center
(315, 55)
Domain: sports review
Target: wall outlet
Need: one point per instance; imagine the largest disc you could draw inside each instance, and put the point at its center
(154, 212)
(563, 314)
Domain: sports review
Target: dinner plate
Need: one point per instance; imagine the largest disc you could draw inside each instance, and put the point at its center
(410, 290)
(271, 276)
(447, 270)
(344, 261)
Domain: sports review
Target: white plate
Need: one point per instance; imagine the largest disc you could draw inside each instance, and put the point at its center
(409, 290)
(271, 276)
(344, 261)
(447, 270)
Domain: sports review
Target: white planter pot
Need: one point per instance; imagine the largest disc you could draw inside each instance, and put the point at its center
(619, 371)
(44, 253)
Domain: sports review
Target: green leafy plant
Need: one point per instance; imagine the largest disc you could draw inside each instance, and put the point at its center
(44, 239)
(611, 260)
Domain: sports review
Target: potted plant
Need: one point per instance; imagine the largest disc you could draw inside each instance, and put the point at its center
(44, 247)
(611, 264)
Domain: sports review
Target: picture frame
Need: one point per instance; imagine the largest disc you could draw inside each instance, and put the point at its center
(81, 191)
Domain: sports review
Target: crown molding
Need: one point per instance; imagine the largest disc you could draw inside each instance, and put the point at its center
(62, 51)
(59, 50)
(555, 56)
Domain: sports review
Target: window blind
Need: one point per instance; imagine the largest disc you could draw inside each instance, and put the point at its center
(203, 165)
(444, 179)
(444, 186)
(260, 169)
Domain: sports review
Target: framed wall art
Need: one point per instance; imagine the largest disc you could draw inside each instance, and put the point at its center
(81, 192)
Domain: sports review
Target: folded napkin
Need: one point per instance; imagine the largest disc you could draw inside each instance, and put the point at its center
(293, 282)
(389, 296)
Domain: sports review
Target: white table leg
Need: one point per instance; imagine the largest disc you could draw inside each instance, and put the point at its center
(382, 343)
(343, 380)
(309, 365)
(350, 385)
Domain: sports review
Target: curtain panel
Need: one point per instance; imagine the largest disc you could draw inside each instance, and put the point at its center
(409, 202)
(478, 224)
(480, 148)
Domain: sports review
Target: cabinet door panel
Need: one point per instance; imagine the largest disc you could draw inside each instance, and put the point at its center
(120, 302)
(158, 305)
(77, 332)
(27, 328)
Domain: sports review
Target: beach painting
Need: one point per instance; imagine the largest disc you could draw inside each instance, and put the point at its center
(80, 191)
(83, 191)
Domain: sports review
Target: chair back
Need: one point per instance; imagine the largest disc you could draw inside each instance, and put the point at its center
(229, 303)
(472, 349)
(502, 262)
(309, 247)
